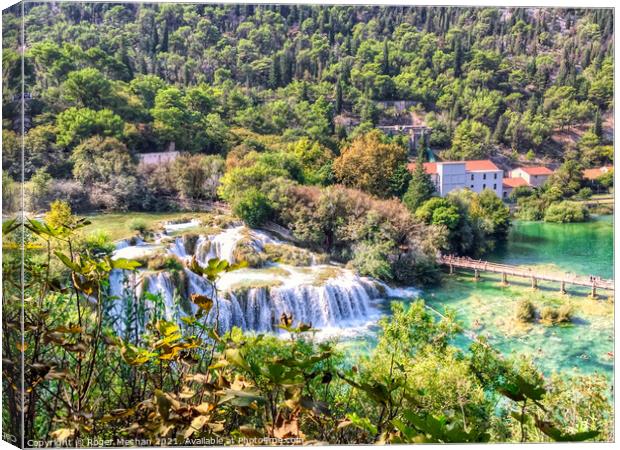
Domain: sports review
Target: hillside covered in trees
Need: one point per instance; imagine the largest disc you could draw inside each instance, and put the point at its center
(227, 80)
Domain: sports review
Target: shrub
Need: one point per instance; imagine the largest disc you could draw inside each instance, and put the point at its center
(139, 225)
(294, 256)
(164, 262)
(525, 311)
(564, 313)
(552, 315)
(59, 214)
(99, 243)
(548, 314)
(252, 207)
(371, 259)
(584, 193)
(565, 212)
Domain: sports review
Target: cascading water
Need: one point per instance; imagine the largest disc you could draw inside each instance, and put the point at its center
(325, 296)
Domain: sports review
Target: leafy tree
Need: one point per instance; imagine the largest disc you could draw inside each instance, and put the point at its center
(566, 211)
(439, 211)
(75, 125)
(198, 176)
(368, 164)
(146, 87)
(87, 88)
(421, 187)
(567, 179)
(60, 215)
(253, 207)
(470, 141)
(99, 159)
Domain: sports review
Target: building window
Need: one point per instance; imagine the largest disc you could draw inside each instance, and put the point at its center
(495, 176)
(472, 186)
(484, 186)
(484, 176)
(494, 186)
(472, 176)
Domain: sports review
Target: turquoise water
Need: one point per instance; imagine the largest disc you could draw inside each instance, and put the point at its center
(485, 307)
(584, 248)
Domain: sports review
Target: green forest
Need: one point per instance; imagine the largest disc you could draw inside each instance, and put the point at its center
(272, 113)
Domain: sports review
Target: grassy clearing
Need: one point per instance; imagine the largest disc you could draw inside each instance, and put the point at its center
(118, 226)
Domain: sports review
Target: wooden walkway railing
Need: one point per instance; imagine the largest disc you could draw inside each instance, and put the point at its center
(534, 275)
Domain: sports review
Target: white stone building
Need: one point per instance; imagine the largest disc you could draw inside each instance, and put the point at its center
(534, 176)
(476, 175)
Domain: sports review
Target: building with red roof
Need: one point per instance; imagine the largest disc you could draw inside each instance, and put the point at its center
(593, 174)
(476, 175)
(534, 176)
(509, 184)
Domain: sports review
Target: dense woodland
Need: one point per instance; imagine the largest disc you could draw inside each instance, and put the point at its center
(257, 100)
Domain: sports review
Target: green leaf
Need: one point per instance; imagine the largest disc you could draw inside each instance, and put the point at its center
(233, 356)
(362, 423)
(67, 262)
(554, 433)
(240, 398)
(9, 225)
(125, 264)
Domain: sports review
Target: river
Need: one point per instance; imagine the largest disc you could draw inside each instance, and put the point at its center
(581, 347)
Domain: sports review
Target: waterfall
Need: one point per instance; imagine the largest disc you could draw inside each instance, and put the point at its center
(223, 245)
(325, 296)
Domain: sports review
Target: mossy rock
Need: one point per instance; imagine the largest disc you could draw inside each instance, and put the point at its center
(189, 242)
(242, 287)
(293, 256)
(246, 251)
(326, 274)
(164, 261)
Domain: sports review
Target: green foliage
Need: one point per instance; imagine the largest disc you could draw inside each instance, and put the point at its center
(525, 311)
(420, 189)
(75, 125)
(100, 159)
(473, 222)
(371, 259)
(59, 215)
(439, 211)
(198, 176)
(252, 207)
(87, 88)
(566, 211)
(470, 141)
(139, 225)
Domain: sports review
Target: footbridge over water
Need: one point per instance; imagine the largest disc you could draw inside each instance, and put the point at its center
(534, 275)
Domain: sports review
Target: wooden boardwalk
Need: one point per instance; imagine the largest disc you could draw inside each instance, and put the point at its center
(533, 275)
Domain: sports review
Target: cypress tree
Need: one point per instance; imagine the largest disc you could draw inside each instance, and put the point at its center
(386, 58)
(338, 106)
(458, 57)
(275, 76)
(500, 129)
(597, 126)
(421, 186)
